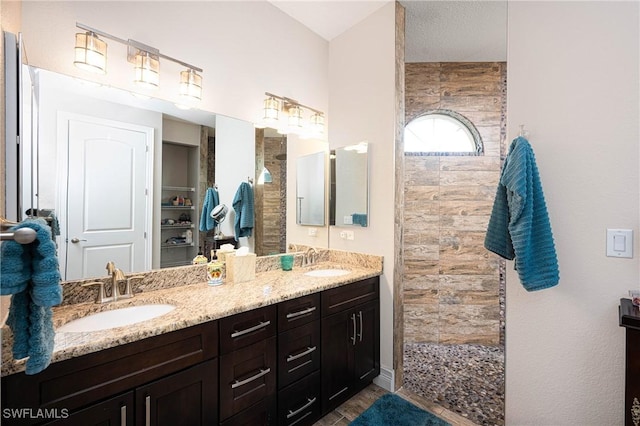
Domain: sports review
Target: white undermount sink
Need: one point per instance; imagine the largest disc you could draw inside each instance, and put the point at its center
(115, 318)
(327, 272)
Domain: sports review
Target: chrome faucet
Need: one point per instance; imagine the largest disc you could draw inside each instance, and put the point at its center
(309, 256)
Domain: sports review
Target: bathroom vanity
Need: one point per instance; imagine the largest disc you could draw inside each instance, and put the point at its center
(311, 345)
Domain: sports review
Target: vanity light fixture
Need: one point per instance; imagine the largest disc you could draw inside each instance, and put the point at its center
(271, 110)
(147, 70)
(191, 84)
(287, 116)
(91, 54)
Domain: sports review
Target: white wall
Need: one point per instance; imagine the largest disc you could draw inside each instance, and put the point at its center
(362, 107)
(235, 163)
(245, 48)
(573, 73)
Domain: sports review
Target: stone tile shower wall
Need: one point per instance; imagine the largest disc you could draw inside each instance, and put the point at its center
(451, 284)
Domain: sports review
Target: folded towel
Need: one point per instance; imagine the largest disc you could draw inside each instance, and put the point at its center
(30, 273)
(359, 219)
(243, 206)
(519, 226)
(211, 200)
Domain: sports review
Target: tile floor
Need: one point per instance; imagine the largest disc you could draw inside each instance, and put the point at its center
(348, 411)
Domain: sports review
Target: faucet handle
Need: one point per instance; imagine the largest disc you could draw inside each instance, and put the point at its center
(128, 292)
(101, 296)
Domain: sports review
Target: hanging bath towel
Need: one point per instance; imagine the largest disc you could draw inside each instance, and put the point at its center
(243, 206)
(211, 200)
(519, 226)
(30, 273)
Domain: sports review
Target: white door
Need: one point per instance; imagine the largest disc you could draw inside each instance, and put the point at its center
(107, 209)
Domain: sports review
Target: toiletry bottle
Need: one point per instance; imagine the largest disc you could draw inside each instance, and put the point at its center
(188, 236)
(200, 259)
(214, 270)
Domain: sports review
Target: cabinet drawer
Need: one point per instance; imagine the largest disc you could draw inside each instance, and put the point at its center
(298, 353)
(296, 312)
(247, 376)
(299, 403)
(341, 298)
(241, 330)
(261, 414)
(83, 380)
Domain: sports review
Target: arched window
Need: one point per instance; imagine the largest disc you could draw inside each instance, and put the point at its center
(442, 132)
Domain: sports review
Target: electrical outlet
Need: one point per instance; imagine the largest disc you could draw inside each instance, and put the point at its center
(343, 235)
(313, 232)
(350, 235)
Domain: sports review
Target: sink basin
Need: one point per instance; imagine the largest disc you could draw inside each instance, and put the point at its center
(115, 318)
(326, 273)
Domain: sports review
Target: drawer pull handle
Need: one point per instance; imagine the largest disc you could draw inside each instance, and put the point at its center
(353, 338)
(301, 354)
(309, 403)
(123, 415)
(302, 312)
(262, 324)
(239, 383)
(147, 411)
(360, 317)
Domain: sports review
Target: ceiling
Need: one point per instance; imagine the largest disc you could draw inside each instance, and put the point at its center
(436, 30)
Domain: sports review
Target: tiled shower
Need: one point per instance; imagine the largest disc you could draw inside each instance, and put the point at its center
(453, 289)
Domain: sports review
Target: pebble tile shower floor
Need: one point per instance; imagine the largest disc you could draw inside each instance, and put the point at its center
(466, 379)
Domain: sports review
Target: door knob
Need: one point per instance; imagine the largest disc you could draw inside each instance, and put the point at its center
(77, 240)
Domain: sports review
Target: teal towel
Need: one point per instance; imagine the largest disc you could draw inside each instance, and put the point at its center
(519, 226)
(30, 273)
(211, 200)
(359, 219)
(243, 206)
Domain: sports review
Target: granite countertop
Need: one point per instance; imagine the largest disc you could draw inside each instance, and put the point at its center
(195, 304)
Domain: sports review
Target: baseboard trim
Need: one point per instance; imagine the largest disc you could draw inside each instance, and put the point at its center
(385, 379)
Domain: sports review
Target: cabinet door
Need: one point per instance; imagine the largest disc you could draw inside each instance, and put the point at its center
(117, 411)
(367, 348)
(189, 397)
(338, 340)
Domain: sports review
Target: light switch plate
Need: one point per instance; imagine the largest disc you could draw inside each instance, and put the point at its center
(620, 243)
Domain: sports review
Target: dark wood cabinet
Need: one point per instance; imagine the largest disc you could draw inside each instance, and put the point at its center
(189, 397)
(284, 364)
(630, 319)
(115, 411)
(299, 349)
(350, 341)
(248, 367)
(299, 403)
(77, 384)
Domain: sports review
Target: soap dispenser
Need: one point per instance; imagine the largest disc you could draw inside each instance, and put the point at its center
(214, 270)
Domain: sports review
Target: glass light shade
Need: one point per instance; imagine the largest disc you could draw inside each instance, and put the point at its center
(90, 53)
(147, 70)
(316, 122)
(191, 84)
(271, 110)
(295, 119)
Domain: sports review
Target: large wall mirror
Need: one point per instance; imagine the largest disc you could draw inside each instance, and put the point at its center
(151, 125)
(310, 189)
(349, 200)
